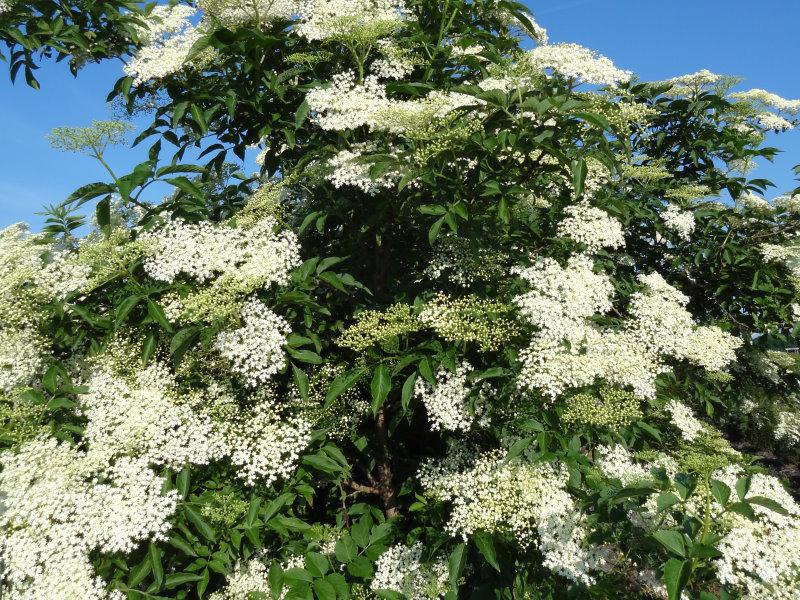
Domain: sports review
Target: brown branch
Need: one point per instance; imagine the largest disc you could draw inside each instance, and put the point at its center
(385, 483)
(360, 487)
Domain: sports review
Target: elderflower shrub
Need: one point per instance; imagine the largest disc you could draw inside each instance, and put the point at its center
(517, 259)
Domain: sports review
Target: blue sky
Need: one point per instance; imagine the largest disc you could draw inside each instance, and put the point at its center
(656, 40)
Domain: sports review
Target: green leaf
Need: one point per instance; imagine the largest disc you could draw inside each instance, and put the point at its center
(140, 572)
(183, 481)
(342, 383)
(334, 280)
(433, 232)
(157, 314)
(200, 524)
(432, 209)
(306, 356)
(103, 213)
(720, 491)
(672, 541)
(172, 169)
(182, 341)
(743, 486)
(125, 307)
(345, 549)
(177, 579)
(199, 117)
(252, 511)
(316, 564)
(186, 186)
(666, 500)
(456, 562)
(323, 463)
(676, 576)
(149, 348)
(360, 566)
(276, 578)
(179, 543)
(381, 386)
(744, 509)
(360, 531)
(327, 263)
(518, 448)
(408, 390)
(578, 177)
(301, 114)
(155, 561)
(324, 590)
(768, 503)
(483, 541)
(301, 381)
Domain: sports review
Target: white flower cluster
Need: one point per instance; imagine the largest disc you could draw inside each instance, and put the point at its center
(766, 105)
(147, 418)
(576, 62)
(205, 251)
(768, 99)
(166, 39)
(562, 298)
(324, 19)
(255, 349)
(456, 261)
(787, 203)
(348, 169)
(661, 323)
(787, 429)
(761, 558)
(569, 351)
(394, 62)
(233, 14)
(527, 501)
(684, 420)
(789, 255)
(246, 581)
(592, 227)
(345, 104)
(60, 505)
(31, 275)
(772, 122)
(22, 357)
(400, 570)
(446, 402)
(616, 462)
(264, 444)
(754, 202)
(680, 221)
(25, 261)
(695, 80)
